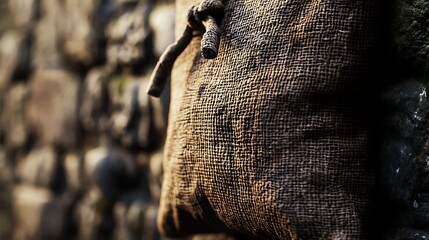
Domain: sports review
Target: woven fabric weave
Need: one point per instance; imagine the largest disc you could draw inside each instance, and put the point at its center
(270, 139)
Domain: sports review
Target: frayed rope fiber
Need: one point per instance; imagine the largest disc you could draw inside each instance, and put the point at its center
(202, 18)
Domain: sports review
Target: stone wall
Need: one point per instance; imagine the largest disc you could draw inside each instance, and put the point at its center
(404, 146)
(80, 140)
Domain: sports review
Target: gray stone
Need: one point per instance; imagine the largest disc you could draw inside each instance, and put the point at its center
(111, 170)
(14, 56)
(82, 29)
(22, 12)
(13, 122)
(73, 172)
(137, 119)
(94, 105)
(411, 34)
(39, 167)
(405, 233)
(5, 223)
(36, 214)
(4, 20)
(49, 8)
(155, 174)
(129, 220)
(126, 115)
(126, 35)
(161, 21)
(123, 2)
(404, 159)
(46, 50)
(93, 216)
(6, 169)
(52, 107)
(150, 230)
(136, 219)
(152, 116)
(402, 141)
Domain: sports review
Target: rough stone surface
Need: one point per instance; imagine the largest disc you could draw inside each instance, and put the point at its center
(149, 222)
(94, 105)
(110, 170)
(6, 171)
(161, 22)
(6, 186)
(126, 36)
(14, 56)
(39, 168)
(410, 33)
(404, 172)
(155, 174)
(407, 105)
(137, 120)
(73, 166)
(46, 50)
(129, 220)
(126, 115)
(94, 216)
(13, 122)
(22, 12)
(82, 29)
(36, 214)
(406, 233)
(52, 107)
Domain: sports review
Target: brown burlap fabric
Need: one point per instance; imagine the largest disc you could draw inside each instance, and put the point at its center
(270, 138)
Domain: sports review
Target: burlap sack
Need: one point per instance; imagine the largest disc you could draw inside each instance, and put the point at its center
(270, 139)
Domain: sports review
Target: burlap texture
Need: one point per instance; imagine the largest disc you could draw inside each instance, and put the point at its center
(270, 138)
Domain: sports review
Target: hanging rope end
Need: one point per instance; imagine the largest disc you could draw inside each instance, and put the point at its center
(157, 81)
(203, 18)
(209, 53)
(154, 90)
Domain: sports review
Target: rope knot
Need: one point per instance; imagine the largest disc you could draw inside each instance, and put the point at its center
(204, 19)
(207, 8)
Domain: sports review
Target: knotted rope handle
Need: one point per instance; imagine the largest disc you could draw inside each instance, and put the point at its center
(203, 18)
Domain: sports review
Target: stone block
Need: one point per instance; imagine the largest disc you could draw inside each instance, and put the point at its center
(111, 170)
(402, 233)
(137, 120)
(39, 168)
(13, 122)
(22, 12)
(94, 216)
(410, 34)
(46, 50)
(37, 216)
(404, 156)
(126, 36)
(82, 30)
(136, 220)
(14, 56)
(128, 220)
(155, 175)
(161, 21)
(52, 107)
(6, 170)
(73, 172)
(95, 100)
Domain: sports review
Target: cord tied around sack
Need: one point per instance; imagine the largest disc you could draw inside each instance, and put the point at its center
(203, 19)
